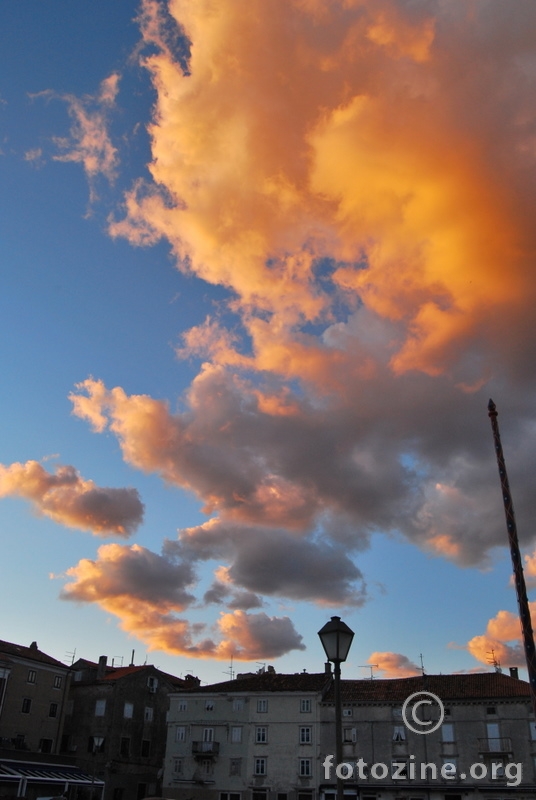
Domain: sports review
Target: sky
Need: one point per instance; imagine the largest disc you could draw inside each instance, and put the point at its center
(262, 267)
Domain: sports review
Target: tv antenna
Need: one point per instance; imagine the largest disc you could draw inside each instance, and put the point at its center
(369, 666)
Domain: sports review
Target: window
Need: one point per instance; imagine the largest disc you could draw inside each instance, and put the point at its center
(145, 748)
(178, 765)
(349, 734)
(399, 733)
(533, 731)
(229, 795)
(207, 766)
(305, 768)
(209, 705)
(180, 735)
(208, 734)
(125, 747)
(26, 705)
(397, 713)
(128, 710)
(53, 710)
(57, 681)
(261, 735)
(305, 735)
(262, 706)
(78, 675)
(92, 747)
(236, 734)
(100, 708)
(45, 745)
(260, 766)
(118, 793)
(494, 740)
(238, 704)
(305, 705)
(235, 766)
(32, 675)
(491, 710)
(347, 712)
(183, 705)
(19, 741)
(447, 732)
(142, 791)
(148, 714)
(152, 683)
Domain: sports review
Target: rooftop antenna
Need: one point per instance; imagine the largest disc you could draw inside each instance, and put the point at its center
(70, 654)
(422, 666)
(496, 663)
(230, 671)
(519, 578)
(369, 666)
(262, 669)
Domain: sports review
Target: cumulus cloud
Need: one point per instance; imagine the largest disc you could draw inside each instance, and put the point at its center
(360, 176)
(393, 665)
(146, 591)
(501, 641)
(70, 500)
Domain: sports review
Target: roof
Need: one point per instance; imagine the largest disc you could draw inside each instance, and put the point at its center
(32, 653)
(472, 686)
(269, 682)
(116, 673)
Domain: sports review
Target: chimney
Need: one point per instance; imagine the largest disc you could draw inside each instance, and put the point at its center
(101, 669)
(514, 673)
(33, 646)
(327, 668)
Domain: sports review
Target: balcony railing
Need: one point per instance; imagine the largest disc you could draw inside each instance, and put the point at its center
(205, 749)
(503, 745)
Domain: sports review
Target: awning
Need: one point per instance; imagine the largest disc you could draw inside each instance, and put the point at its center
(35, 772)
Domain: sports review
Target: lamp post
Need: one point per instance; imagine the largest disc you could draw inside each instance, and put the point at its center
(336, 638)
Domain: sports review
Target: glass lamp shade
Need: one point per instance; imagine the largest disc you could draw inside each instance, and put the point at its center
(336, 638)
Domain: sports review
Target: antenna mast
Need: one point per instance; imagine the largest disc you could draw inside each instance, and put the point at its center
(519, 578)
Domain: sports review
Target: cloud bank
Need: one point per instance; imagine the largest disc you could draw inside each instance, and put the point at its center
(359, 176)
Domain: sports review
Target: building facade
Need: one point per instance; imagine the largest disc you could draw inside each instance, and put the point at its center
(272, 737)
(34, 691)
(115, 725)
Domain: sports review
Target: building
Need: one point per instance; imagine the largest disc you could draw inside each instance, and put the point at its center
(115, 725)
(33, 698)
(267, 736)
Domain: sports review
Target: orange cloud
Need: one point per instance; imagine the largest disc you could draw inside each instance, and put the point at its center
(70, 500)
(302, 131)
(88, 142)
(501, 640)
(393, 665)
(146, 591)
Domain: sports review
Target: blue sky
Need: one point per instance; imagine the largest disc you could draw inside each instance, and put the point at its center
(256, 302)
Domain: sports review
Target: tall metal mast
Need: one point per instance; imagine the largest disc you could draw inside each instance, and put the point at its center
(519, 578)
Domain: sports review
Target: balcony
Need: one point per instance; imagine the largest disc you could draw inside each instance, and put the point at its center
(498, 746)
(205, 749)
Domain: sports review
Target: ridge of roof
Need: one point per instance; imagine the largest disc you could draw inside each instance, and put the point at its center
(459, 686)
(32, 653)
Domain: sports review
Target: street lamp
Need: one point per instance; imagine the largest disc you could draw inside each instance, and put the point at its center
(336, 638)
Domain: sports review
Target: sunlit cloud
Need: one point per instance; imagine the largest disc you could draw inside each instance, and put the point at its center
(359, 176)
(89, 142)
(70, 500)
(146, 591)
(393, 665)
